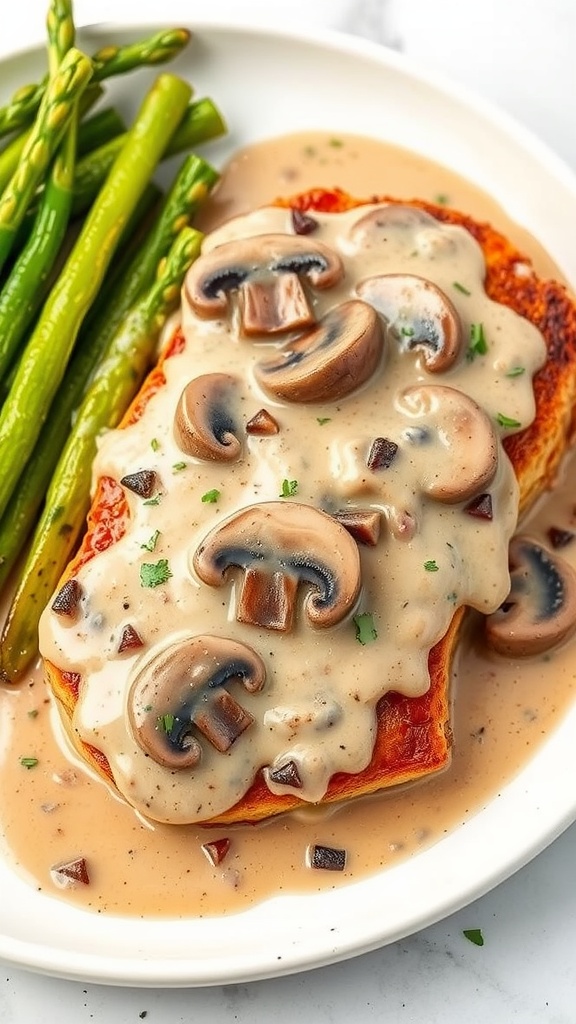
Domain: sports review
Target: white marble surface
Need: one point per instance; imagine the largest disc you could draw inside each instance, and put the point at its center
(519, 54)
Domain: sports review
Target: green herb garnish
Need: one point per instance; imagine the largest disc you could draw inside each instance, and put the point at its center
(506, 421)
(154, 444)
(166, 722)
(151, 544)
(336, 143)
(441, 199)
(407, 332)
(474, 935)
(323, 419)
(28, 762)
(289, 487)
(516, 371)
(366, 631)
(431, 565)
(178, 467)
(33, 713)
(461, 288)
(478, 344)
(153, 574)
(211, 497)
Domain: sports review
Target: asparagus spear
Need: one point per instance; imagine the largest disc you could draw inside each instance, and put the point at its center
(11, 155)
(98, 129)
(57, 108)
(112, 60)
(25, 288)
(201, 123)
(110, 393)
(44, 361)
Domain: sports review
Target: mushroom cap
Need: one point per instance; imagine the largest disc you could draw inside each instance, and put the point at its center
(180, 692)
(203, 424)
(540, 611)
(283, 544)
(420, 314)
(230, 265)
(470, 445)
(330, 360)
(372, 227)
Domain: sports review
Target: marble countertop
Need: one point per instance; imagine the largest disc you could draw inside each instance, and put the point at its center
(519, 54)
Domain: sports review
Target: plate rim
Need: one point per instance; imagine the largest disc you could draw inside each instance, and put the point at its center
(177, 972)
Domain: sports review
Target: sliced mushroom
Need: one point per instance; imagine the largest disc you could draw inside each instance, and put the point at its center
(420, 314)
(278, 546)
(468, 461)
(181, 692)
(373, 228)
(540, 610)
(203, 424)
(329, 361)
(266, 270)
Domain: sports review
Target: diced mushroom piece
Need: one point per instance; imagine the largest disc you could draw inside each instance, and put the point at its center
(362, 523)
(67, 600)
(70, 873)
(329, 361)
(266, 271)
(279, 546)
(181, 693)
(468, 461)
(216, 850)
(420, 314)
(203, 425)
(540, 610)
(262, 424)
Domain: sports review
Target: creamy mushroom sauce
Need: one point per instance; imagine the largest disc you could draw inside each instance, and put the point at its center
(68, 805)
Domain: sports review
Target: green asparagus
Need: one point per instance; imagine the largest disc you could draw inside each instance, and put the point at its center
(12, 153)
(58, 106)
(112, 60)
(201, 123)
(111, 391)
(25, 288)
(44, 360)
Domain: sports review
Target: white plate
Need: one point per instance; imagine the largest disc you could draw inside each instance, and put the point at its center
(269, 82)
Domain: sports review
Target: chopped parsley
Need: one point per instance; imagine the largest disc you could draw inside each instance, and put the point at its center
(151, 544)
(336, 143)
(474, 935)
(478, 345)
(28, 762)
(366, 631)
(178, 467)
(461, 288)
(407, 332)
(166, 722)
(153, 574)
(153, 501)
(154, 444)
(211, 497)
(323, 419)
(431, 565)
(516, 371)
(33, 713)
(441, 199)
(506, 421)
(289, 487)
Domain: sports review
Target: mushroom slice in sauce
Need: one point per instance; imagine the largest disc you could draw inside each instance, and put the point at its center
(372, 228)
(330, 360)
(541, 608)
(266, 271)
(420, 314)
(467, 463)
(203, 424)
(279, 546)
(181, 692)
